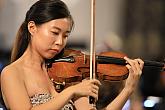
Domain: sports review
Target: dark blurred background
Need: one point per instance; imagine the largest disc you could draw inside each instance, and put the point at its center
(134, 27)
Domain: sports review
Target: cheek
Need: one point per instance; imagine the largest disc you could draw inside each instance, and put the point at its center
(47, 43)
(65, 41)
(46, 39)
(43, 43)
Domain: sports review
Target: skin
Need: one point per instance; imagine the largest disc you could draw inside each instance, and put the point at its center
(28, 76)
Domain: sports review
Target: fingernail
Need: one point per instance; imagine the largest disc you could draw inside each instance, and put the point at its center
(125, 57)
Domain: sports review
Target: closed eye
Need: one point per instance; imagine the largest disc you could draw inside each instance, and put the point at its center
(67, 35)
(55, 33)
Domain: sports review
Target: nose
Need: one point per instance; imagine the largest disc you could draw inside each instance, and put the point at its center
(59, 40)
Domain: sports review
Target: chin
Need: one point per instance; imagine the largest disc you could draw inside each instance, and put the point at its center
(50, 56)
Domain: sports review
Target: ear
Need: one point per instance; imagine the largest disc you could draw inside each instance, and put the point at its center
(32, 27)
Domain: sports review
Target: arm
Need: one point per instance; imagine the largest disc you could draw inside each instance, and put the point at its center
(135, 70)
(83, 104)
(17, 98)
(120, 100)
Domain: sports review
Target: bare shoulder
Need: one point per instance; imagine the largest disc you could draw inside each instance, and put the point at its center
(10, 72)
(13, 87)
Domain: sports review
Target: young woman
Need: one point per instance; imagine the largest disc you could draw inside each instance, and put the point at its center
(25, 82)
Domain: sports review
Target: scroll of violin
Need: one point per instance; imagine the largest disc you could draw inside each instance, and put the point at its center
(73, 67)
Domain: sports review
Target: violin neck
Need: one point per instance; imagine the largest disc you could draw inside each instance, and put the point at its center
(110, 60)
(121, 61)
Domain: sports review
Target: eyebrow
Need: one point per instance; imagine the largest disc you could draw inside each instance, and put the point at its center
(60, 29)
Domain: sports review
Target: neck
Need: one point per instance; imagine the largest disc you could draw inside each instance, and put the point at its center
(32, 58)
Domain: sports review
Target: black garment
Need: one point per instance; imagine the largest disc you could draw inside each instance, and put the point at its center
(2, 104)
(162, 104)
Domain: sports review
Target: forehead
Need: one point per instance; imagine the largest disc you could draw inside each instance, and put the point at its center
(63, 23)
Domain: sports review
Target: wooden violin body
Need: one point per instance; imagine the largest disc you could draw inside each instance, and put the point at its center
(73, 66)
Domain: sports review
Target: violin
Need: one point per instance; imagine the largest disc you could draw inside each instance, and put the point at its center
(73, 66)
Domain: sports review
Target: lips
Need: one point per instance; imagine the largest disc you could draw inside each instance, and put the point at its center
(55, 50)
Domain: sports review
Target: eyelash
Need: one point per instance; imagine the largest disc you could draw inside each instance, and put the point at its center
(56, 33)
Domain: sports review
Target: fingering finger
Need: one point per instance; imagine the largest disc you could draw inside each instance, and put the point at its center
(128, 66)
(141, 62)
(137, 66)
(140, 65)
(131, 63)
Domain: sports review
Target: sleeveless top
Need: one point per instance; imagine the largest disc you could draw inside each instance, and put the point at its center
(38, 99)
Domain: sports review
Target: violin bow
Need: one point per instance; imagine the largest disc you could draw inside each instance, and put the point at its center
(92, 47)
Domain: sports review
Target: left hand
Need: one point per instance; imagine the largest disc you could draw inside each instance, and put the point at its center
(135, 70)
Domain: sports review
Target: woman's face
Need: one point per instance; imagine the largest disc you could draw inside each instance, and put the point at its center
(50, 38)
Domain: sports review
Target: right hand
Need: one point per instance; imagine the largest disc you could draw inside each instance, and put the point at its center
(86, 88)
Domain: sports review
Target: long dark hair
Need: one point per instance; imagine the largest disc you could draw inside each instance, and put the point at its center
(40, 12)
